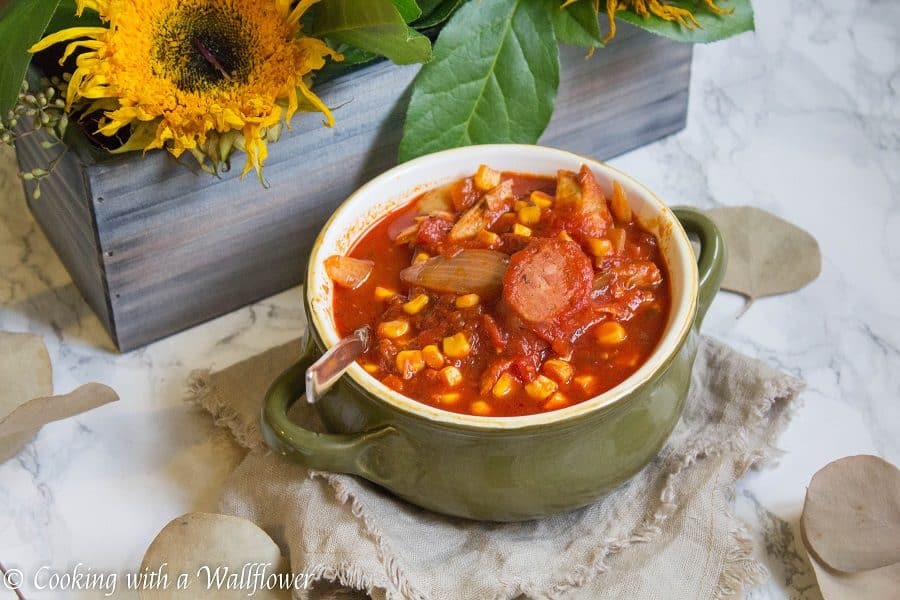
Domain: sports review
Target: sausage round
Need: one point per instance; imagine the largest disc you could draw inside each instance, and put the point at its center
(547, 280)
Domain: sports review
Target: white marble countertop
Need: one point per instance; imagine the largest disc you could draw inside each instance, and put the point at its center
(801, 118)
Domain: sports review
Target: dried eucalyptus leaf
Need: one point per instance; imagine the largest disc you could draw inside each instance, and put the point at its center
(851, 517)
(25, 372)
(876, 584)
(200, 545)
(40, 411)
(766, 254)
(26, 400)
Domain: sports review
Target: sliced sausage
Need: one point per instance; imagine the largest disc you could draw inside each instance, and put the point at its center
(547, 280)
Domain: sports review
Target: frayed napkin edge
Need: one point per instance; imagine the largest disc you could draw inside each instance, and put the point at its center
(200, 394)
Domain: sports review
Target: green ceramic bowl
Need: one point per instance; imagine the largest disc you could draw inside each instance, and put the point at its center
(496, 468)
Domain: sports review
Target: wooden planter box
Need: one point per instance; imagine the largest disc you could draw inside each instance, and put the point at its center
(155, 247)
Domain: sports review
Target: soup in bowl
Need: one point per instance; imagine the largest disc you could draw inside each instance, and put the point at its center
(534, 317)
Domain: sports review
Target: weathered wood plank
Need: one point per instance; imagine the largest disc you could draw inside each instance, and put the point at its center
(65, 215)
(628, 94)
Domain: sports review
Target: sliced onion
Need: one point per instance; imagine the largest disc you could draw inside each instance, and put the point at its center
(436, 200)
(438, 214)
(407, 235)
(470, 223)
(568, 192)
(348, 272)
(497, 197)
(400, 224)
(617, 236)
(469, 272)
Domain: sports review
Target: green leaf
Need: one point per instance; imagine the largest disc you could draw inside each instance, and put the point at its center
(354, 58)
(372, 25)
(576, 24)
(65, 17)
(22, 24)
(408, 9)
(441, 12)
(712, 28)
(493, 79)
(428, 6)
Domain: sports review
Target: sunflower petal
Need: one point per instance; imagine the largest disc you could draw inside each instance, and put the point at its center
(73, 46)
(65, 35)
(317, 102)
(100, 6)
(142, 135)
(298, 11)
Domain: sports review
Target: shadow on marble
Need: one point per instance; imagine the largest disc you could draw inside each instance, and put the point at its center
(64, 311)
(783, 554)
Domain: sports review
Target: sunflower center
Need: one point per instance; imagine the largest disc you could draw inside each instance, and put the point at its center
(200, 48)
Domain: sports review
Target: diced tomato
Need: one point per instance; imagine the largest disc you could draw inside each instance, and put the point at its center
(432, 233)
(464, 194)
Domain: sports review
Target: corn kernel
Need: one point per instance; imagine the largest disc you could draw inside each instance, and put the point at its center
(520, 229)
(409, 363)
(488, 238)
(520, 204)
(599, 247)
(541, 199)
(619, 205)
(480, 408)
(486, 178)
(451, 376)
(564, 236)
(415, 306)
(610, 333)
(557, 400)
(433, 357)
(587, 383)
(559, 370)
(529, 215)
(467, 301)
(448, 397)
(393, 329)
(504, 386)
(541, 388)
(457, 346)
(370, 368)
(383, 293)
(421, 257)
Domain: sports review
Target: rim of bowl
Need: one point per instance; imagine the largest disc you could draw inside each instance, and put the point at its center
(674, 336)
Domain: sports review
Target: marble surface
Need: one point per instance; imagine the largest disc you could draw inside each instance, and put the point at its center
(801, 118)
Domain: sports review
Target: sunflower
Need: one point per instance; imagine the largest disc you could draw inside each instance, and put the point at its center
(201, 76)
(658, 8)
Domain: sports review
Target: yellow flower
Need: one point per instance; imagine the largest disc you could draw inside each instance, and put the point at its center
(645, 8)
(195, 74)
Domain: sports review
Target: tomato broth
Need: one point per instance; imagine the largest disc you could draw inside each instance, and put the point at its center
(505, 294)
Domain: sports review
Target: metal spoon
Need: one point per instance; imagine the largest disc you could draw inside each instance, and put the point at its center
(331, 365)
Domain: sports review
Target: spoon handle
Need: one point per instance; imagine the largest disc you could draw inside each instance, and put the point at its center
(325, 371)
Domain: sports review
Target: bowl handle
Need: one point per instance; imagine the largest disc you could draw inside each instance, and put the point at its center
(339, 453)
(713, 255)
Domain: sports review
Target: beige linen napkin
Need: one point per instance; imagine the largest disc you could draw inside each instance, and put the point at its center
(667, 533)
